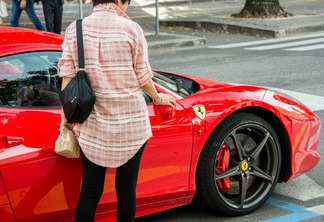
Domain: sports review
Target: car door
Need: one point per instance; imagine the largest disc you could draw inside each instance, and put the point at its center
(165, 167)
(41, 185)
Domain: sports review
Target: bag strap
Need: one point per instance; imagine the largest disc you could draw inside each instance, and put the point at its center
(80, 44)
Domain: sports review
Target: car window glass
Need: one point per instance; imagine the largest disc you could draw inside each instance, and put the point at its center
(171, 83)
(30, 79)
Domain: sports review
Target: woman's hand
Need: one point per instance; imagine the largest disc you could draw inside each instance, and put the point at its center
(22, 4)
(158, 98)
(165, 99)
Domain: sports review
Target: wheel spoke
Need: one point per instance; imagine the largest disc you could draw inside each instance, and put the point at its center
(259, 148)
(243, 189)
(238, 146)
(260, 173)
(228, 173)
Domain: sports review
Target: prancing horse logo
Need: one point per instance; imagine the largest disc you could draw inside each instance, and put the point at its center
(244, 166)
(200, 111)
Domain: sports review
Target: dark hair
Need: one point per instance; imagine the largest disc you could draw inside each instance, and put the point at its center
(97, 2)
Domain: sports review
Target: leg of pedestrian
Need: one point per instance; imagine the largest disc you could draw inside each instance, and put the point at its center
(30, 10)
(15, 13)
(53, 13)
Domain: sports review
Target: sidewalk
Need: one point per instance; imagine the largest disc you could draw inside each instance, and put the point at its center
(215, 15)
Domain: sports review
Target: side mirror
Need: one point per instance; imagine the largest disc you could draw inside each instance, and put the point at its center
(164, 111)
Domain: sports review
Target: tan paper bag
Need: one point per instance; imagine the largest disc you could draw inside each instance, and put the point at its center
(66, 144)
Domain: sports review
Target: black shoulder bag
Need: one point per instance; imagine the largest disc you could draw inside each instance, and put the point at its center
(78, 98)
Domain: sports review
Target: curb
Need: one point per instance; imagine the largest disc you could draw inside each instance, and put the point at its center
(233, 27)
(174, 41)
(219, 26)
(150, 3)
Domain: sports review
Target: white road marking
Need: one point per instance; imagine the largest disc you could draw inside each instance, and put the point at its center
(268, 41)
(317, 209)
(307, 48)
(301, 188)
(286, 45)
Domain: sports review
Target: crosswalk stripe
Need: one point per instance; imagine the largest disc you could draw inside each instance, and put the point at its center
(317, 209)
(289, 44)
(267, 41)
(307, 48)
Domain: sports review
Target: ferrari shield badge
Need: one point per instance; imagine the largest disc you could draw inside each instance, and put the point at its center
(200, 111)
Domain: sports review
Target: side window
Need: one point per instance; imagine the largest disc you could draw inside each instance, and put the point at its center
(30, 79)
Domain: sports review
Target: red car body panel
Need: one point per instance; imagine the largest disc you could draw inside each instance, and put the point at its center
(302, 126)
(303, 129)
(38, 185)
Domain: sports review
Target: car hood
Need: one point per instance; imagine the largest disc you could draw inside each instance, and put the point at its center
(16, 40)
(12, 35)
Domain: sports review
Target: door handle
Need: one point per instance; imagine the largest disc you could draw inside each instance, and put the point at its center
(10, 141)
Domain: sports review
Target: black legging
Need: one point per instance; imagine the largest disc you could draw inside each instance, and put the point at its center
(93, 178)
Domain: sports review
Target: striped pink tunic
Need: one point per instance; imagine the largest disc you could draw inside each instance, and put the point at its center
(116, 60)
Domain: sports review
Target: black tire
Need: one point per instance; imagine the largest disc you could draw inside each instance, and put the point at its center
(239, 165)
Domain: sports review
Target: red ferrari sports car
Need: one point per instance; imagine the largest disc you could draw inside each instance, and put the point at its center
(228, 145)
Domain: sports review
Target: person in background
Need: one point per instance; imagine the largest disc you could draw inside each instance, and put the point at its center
(3, 10)
(28, 6)
(116, 132)
(53, 13)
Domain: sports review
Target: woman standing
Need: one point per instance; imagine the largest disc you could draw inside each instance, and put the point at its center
(115, 133)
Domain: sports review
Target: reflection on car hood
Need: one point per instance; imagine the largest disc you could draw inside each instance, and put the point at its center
(12, 35)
